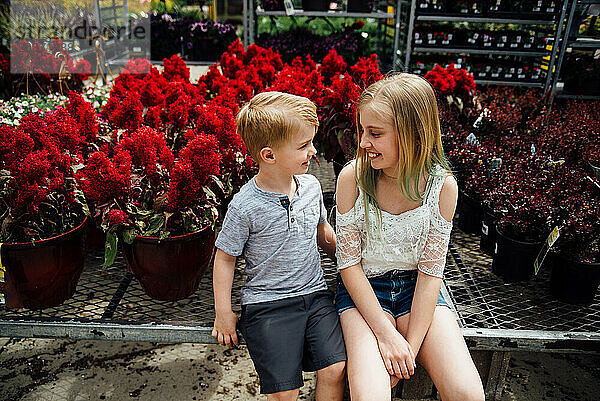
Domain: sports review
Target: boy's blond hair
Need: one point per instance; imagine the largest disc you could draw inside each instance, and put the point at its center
(271, 118)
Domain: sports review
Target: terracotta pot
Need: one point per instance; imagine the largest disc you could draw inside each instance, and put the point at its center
(170, 269)
(44, 274)
(572, 281)
(513, 259)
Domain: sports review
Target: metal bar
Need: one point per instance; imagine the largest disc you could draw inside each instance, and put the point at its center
(107, 331)
(444, 18)
(581, 97)
(585, 44)
(245, 22)
(336, 14)
(409, 35)
(477, 51)
(251, 24)
(531, 340)
(118, 295)
(560, 23)
(509, 83)
(396, 35)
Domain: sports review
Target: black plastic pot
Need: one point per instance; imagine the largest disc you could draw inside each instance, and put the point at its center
(487, 241)
(360, 6)
(315, 5)
(572, 281)
(513, 259)
(469, 214)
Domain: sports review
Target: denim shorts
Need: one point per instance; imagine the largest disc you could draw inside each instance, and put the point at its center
(394, 290)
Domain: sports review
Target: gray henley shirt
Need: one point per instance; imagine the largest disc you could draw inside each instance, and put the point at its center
(278, 239)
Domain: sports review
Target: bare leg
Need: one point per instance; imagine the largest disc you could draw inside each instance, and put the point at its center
(367, 375)
(290, 395)
(445, 356)
(331, 382)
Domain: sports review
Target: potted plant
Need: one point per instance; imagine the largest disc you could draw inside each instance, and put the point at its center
(575, 262)
(43, 211)
(160, 204)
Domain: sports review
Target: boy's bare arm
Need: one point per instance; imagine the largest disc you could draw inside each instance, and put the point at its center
(326, 239)
(224, 329)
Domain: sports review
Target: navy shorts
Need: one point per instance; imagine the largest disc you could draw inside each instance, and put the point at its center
(394, 290)
(286, 336)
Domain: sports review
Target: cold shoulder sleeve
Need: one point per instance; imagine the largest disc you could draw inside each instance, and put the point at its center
(347, 249)
(433, 258)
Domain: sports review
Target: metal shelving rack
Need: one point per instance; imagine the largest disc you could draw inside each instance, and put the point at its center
(567, 44)
(389, 25)
(415, 17)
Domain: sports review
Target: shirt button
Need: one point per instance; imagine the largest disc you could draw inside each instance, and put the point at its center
(293, 219)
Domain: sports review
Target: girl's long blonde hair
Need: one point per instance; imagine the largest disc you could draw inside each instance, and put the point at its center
(409, 102)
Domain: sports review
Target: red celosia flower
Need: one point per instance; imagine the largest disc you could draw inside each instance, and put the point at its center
(366, 71)
(101, 180)
(175, 69)
(128, 114)
(116, 216)
(332, 66)
(83, 112)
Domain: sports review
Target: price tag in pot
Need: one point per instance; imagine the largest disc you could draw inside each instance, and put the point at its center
(289, 7)
(544, 251)
(2, 271)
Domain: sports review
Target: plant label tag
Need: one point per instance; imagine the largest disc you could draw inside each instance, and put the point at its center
(544, 251)
(289, 7)
(2, 268)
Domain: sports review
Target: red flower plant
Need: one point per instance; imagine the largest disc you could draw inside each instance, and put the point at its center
(40, 197)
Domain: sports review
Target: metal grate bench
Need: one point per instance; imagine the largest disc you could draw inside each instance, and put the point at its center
(496, 318)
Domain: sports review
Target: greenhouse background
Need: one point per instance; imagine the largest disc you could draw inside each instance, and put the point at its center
(118, 139)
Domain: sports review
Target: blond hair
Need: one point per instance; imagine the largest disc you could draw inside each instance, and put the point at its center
(409, 103)
(272, 118)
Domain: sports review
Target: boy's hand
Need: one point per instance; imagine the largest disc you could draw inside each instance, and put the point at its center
(224, 329)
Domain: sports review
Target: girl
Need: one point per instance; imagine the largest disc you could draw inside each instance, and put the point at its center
(395, 205)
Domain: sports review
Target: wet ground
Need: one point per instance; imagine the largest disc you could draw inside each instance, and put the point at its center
(48, 369)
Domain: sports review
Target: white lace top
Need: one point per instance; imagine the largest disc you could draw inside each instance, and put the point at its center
(415, 239)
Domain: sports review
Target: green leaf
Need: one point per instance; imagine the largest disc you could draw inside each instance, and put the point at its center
(110, 248)
(155, 224)
(129, 235)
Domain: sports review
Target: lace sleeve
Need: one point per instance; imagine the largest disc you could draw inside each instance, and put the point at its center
(347, 249)
(433, 259)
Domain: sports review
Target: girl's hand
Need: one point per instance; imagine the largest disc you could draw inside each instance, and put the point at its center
(397, 354)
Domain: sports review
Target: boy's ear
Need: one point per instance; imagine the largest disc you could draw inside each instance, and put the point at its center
(266, 155)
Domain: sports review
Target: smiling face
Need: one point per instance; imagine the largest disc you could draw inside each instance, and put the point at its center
(379, 140)
(293, 156)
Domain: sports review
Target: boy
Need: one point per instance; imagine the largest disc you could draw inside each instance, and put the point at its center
(276, 221)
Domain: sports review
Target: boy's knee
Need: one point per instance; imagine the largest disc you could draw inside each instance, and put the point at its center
(289, 395)
(333, 373)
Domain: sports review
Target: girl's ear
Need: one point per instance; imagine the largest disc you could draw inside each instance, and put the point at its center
(266, 155)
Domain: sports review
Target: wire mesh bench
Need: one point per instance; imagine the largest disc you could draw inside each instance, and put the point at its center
(495, 317)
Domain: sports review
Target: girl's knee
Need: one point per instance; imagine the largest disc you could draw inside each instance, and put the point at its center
(334, 373)
(474, 393)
